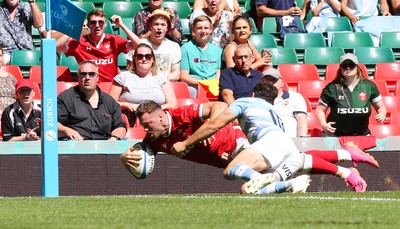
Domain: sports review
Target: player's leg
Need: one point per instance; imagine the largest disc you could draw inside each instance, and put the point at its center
(348, 153)
(298, 184)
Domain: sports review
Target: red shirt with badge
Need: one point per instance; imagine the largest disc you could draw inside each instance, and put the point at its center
(104, 54)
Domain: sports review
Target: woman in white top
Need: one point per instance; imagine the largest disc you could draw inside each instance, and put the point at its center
(142, 82)
(228, 5)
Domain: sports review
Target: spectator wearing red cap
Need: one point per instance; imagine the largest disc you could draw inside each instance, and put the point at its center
(21, 121)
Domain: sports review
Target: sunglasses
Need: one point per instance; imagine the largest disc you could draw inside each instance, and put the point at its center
(143, 56)
(348, 65)
(94, 23)
(90, 74)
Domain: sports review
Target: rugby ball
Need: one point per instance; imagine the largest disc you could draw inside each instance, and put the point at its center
(146, 164)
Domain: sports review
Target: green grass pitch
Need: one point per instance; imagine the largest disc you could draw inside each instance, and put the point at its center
(309, 210)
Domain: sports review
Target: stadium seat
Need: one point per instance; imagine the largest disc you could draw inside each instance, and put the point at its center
(38, 93)
(63, 74)
(189, 101)
(311, 90)
(36, 37)
(331, 71)
(395, 120)
(381, 131)
(392, 103)
(182, 8)
(105, 86)
(388, 119)
(352, 40)
(187, 34)
(62, 86)
(283, 56)
(391, 40)
(41, 6)
(135, 133)
(122, 62)
(321, 56)
(269, 25)
(253, 26)
(121, 8)
(13, 70)
(261, 41)
(382, 87)
(25, 59)
(338, 24)
(181, 90)
(298, 72)
(128, 22)
(301, 41)
(87, 6)
(314, 129)
(69, 62)
(125, 119)
(373, 55)
(389, 72)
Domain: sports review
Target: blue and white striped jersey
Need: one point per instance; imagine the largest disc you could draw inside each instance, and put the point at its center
(256, 117)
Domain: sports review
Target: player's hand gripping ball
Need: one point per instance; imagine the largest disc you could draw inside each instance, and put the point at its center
(146, 164)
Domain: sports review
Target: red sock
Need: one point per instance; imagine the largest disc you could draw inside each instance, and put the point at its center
(321, 166)
(327, 155)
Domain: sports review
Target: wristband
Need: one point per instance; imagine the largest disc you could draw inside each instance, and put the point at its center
(118, 138)
(31, 1)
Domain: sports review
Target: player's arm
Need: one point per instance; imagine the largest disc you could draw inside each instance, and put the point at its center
(212, 110)
(205, 131)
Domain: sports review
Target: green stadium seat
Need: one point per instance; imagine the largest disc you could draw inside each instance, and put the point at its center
(370, 56)
(283, 56)
(269, 25)
(123, 9)
(128, 22)
(86, 6)
(182, 8)
(301, 41)
(253, 26)
(352, 40)
(321, 56)
(122, 62)
(261, 41)
(338, 24)
(25, 59)
(186, 29)
(391, 40)
(42, 6)
(70, 62)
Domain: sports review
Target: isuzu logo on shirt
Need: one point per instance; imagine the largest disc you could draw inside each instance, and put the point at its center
(363, 110)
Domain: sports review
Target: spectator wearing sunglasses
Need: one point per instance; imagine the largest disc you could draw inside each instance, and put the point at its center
(143, 81)
(87, 113)
(98, 46)
(349, 97)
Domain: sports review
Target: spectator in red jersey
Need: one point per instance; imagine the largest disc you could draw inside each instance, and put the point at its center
(97, 46)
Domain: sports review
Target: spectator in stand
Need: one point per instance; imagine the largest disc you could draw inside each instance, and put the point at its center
(142, 82)
(17, 18)
(7, 86)
(239, 81)
(277, 9)
(97, 46)
(241, 31)
(290, 106)
(21, 120)
(349, 97)
(353, 9)
(87, 113)
(142, 30)
(321, 9)
(228, 5)
(220, 19)
(168, 54)
(390, 7)
(201, 60)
